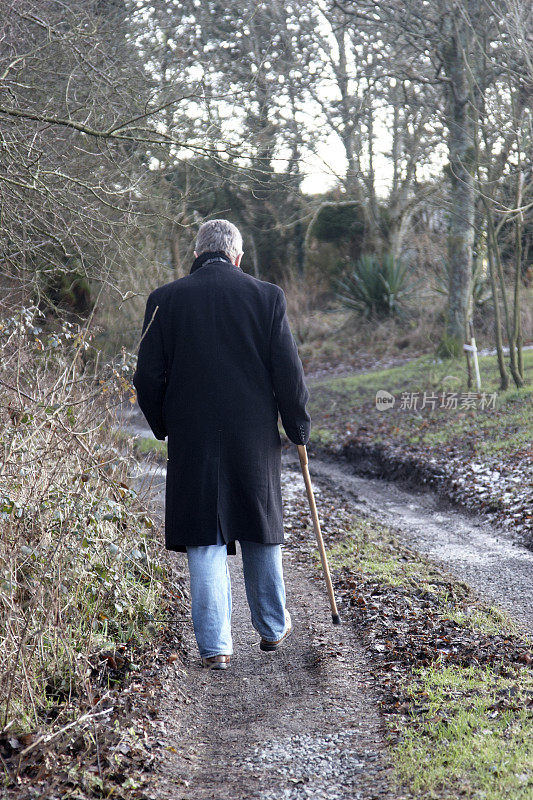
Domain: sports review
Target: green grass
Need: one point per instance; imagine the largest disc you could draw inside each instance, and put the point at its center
(489, 619)
(146, 444)
(463, 745)
(143, 445)
(372, 550)
(322, 436)
(343, 404)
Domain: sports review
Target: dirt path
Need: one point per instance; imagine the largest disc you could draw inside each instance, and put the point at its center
(302, 722)
(487, 557)
(305, 722)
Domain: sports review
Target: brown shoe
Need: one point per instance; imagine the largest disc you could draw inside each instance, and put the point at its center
(268, 647)
(216, 662)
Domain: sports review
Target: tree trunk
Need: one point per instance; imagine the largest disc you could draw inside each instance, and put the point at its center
(299, 244)
(397, 231)
(504, 377)
(255, 259)
(517, 327)
(499, 266)
(175, 255)
(462, 196)
(373, 239)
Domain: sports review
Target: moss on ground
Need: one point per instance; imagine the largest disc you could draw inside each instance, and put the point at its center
(470, 733)
(373, 551)
(146, 444)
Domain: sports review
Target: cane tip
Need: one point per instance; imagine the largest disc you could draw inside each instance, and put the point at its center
(336, 619)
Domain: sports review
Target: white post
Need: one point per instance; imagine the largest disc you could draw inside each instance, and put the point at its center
(473, 349)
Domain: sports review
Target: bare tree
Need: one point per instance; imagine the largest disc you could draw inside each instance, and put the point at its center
(452, 36)
(251, 62)
(82, 121)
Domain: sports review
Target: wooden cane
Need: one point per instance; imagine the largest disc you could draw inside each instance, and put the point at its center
(302, 452)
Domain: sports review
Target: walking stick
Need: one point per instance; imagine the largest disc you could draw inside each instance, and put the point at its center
(302, 452)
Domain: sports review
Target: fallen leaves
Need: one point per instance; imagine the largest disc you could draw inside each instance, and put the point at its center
(407, 626)
(423, 620)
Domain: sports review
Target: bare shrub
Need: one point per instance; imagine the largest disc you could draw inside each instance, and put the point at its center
(305, 294)
(78, 576)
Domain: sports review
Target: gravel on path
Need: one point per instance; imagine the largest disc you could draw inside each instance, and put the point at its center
(487, 557)
(301, 722)
(297, 723)
(305, 721)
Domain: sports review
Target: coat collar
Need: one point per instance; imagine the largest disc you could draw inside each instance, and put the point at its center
(211, 257)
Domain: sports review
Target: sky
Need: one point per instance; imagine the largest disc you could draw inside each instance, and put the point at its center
(324, 169)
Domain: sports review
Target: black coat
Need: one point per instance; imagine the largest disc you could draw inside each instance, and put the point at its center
(216, 363)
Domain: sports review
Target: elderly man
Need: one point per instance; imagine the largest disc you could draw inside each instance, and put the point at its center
(217, 362)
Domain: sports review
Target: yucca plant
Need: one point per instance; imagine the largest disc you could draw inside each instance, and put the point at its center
(377, 287)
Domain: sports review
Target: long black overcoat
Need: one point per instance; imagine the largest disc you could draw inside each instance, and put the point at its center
(216, 363)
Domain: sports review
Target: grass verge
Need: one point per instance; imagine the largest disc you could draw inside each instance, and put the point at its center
(475, 449)
(143, 445)
(455, 673)
(341, 406)
(470, 728)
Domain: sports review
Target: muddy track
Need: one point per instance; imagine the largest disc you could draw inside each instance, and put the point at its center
(467, 544)
(302, 722)
(485, 556)
(305, 721)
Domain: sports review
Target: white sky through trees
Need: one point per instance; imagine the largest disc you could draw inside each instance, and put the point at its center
(324, 164)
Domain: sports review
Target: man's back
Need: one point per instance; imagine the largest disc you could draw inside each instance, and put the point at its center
(216, 363)
(216, 325)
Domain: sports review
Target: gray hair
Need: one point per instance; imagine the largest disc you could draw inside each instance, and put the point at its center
(219, 235)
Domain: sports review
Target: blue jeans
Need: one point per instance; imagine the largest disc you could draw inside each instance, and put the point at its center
(211, 593)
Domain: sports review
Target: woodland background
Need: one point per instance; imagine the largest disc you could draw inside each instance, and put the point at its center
(125, 124)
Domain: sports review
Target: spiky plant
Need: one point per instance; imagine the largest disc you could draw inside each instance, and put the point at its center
(377, 286)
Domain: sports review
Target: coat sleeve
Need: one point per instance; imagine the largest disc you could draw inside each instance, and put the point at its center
(150, 375)
(287, 375)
